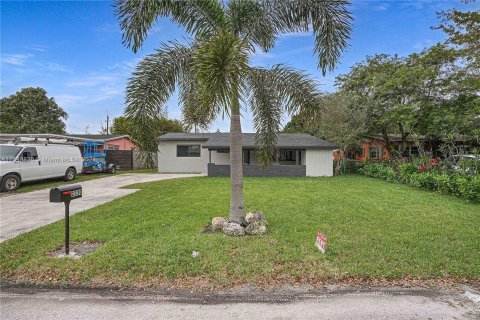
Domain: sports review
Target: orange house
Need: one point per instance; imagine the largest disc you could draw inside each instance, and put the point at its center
(375, 148)
(112, 142)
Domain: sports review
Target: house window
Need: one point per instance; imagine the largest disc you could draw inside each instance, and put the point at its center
(287, 155)
(414, 151)
(223, 151)
(374, 152)
(246, 156)
(192, 150)
(360, 152)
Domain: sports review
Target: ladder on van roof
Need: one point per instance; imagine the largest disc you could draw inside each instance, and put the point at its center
(40, 138)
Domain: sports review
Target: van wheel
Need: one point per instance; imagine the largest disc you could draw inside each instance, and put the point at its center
(10, 182)
(70, 174)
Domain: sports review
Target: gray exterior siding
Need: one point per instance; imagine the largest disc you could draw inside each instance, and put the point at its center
(256, 171)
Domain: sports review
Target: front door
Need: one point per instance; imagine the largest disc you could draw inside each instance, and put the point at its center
(30, 165)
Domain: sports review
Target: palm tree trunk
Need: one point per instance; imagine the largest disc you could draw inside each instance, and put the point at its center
(237, 212)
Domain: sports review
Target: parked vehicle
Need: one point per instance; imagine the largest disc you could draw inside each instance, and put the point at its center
(29, 162)
(94, 153)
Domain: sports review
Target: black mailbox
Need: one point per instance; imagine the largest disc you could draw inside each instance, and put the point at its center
(65, 193)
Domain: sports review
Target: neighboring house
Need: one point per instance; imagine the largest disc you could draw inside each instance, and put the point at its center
(209, 153)
(113, 142)
(375, 147)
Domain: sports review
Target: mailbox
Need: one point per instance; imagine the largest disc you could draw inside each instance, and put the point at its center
(65, 193)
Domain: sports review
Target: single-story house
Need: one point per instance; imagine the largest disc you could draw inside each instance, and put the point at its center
(209, 153)
(376, 148)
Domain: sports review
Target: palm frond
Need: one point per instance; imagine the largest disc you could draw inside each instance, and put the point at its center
(195, 114)
(329, 20)
(218, 65)
(250, 20)
(271, 91)
(151, 85)
(199, 17)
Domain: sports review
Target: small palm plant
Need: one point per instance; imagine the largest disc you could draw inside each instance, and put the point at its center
(212, 71)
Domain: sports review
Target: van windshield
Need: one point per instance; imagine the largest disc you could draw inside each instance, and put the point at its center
(8, 153)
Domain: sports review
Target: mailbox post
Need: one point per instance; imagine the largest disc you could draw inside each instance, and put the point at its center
(66, 194)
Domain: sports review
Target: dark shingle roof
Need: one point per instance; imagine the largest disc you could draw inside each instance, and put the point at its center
(222, 140)
(185, 136)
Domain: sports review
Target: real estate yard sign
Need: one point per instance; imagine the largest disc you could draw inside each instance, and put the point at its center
(321, 241)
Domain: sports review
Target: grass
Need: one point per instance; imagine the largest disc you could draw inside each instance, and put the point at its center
(50, 183)
(375, 229)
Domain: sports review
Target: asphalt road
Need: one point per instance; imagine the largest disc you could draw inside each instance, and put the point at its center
(23, 212)
(371, 304)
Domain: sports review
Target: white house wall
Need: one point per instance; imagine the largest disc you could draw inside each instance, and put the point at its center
(319, 163)
(168, 162)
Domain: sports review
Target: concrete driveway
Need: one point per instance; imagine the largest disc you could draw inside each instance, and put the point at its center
(27, 211)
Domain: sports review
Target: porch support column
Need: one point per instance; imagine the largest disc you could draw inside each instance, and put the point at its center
(296, 157)
(276, 158)
(209, 156)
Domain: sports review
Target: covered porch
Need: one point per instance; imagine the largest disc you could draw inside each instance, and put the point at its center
(287, 163)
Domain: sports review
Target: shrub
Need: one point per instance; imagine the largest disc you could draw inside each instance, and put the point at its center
(428, 178)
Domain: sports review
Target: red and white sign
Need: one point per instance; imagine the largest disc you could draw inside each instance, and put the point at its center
(321, 241)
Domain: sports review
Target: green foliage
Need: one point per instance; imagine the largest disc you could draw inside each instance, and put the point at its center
(432, 178)
(31, 111)
(378, 170)
(123, 125)
(335, 119)
(432, 93)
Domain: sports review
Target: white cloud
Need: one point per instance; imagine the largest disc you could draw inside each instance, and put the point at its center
(37, 47)
(15, 59)
(56, 67)
(108, 28)
(382, 7)
(68, 100)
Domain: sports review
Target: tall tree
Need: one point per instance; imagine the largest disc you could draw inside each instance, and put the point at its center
(31, 111)
(121, 126)
(212, 70)
(339, 121)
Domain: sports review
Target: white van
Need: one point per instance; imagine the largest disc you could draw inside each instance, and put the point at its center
(30, 162)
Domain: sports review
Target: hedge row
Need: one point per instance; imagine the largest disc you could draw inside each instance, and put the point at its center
(467, 187)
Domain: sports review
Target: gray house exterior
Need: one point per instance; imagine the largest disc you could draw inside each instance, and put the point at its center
(209, 153)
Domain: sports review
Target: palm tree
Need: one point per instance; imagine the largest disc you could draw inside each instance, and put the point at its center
(212, 73)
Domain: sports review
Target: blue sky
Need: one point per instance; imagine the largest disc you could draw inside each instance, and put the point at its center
(74, 51)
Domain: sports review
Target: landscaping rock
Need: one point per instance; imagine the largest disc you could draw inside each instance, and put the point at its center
(255, 217)
(217, 223)
(233, 229)
(256, 228)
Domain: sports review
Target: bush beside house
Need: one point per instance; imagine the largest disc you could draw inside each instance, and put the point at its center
(430, 176)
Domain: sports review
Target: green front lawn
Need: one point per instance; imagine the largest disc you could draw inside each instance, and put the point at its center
(375, 229)
(50, 183)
